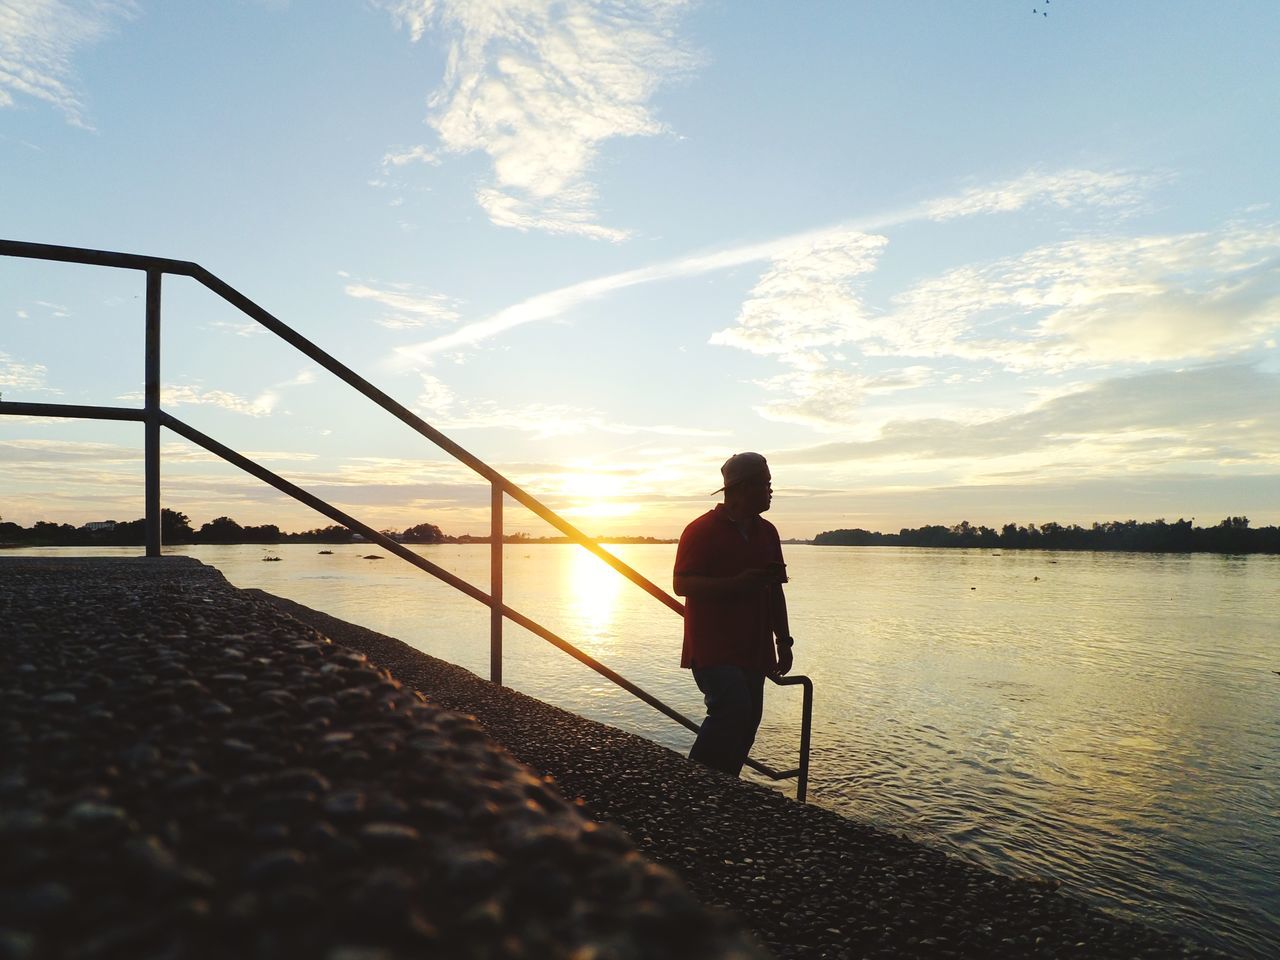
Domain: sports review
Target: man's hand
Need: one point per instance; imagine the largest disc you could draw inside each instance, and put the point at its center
(785, 661)
(697, 585)
(755, 577)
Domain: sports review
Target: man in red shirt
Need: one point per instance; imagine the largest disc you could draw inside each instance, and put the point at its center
(729, 568)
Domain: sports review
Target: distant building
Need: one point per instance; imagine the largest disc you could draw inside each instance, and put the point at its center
(95, 525)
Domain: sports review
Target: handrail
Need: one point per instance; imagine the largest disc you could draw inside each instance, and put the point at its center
(153, 417)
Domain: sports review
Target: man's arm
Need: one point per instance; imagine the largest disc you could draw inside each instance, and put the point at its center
(700, 585)
(781, 629)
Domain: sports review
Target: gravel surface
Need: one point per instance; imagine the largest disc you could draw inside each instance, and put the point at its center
(808, 881)
(187, 771)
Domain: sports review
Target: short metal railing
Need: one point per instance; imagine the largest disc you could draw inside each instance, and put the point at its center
(153, 417)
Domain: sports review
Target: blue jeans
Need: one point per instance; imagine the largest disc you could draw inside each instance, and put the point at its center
(735, 701)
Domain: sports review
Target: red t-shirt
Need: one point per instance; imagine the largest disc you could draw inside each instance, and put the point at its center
(735, 630)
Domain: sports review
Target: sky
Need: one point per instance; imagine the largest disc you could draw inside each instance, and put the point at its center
(997, 262)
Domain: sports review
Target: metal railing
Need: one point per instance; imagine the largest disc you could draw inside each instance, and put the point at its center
(153, 418)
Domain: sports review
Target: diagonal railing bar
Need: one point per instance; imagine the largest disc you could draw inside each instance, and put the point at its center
(407, 416)
(298, 493)
(153, 417)
(315, 503)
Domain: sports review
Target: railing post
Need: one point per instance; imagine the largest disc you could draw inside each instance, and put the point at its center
(495, 585)
(152, 409)
(806, 724)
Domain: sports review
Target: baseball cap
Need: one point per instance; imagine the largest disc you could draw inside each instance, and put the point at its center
(740, 467)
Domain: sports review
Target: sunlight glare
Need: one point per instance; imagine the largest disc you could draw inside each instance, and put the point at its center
(595, 495)
(594, 587)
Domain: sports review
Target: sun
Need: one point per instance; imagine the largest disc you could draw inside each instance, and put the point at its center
(595, 495)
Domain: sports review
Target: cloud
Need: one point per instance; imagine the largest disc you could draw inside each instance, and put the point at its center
(1140, 299)
(15, 375)
(440, 407)
(186, 394)
(833, 242)
(1217, 414)
(436, 395)
(38, 43)
(810, 299)
(408, 308)
(55, 310)
(64, 451)
(245, 328)
(831, 399)
(554, 303)
(545, 420)
(418, 154)
(807, 299)
(265, 403)
(1064, 189)
(372, 481)
(301, 379)
(539, 86)
(84, 451)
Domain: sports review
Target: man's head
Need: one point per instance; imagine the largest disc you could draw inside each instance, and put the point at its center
(746, 487)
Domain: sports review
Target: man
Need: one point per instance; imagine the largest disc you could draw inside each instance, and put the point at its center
(729, 568)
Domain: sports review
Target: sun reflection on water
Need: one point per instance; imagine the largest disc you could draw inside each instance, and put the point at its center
(593, 586)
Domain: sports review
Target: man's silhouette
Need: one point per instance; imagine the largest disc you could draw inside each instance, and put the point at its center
(729, 568)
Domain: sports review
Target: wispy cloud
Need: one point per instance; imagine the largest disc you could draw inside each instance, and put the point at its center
(831, 399)
(539, 86)
(839, 245)
(416, 154)
(264, 404)
(66, 451)
(1063, 189)
(1093, 302)
(55, 310)
(808, 299)
(301, 379)
(241, 328)
(408, 307)
(1104, 300)
(186, 395)
(15, 375)
(545, 420)
(39, 40)
(439, 405)
(1217, 414)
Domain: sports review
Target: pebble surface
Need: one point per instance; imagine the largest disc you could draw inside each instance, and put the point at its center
(188, 771)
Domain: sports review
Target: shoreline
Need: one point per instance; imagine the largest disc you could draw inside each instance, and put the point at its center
(807, 881)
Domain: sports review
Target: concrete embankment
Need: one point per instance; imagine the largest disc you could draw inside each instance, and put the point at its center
(191, 770)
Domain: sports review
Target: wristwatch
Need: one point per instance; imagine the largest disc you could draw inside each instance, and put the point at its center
(786, 643)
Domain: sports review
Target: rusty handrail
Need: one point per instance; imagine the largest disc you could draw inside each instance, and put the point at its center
(153, 417)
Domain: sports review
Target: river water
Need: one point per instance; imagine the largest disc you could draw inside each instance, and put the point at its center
(1108, 720)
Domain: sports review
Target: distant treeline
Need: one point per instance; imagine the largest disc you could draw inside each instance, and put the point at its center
(1232, 535)
(176, 527)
